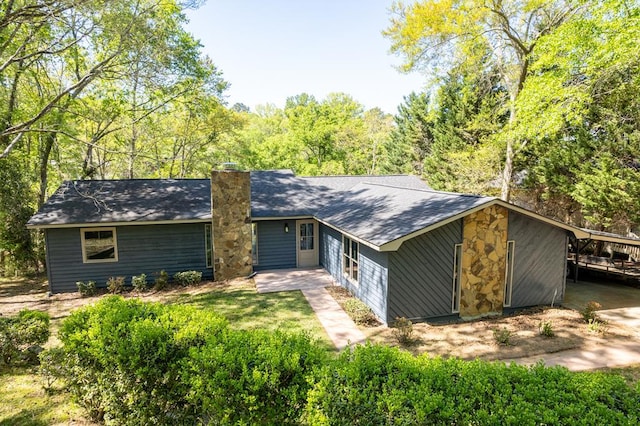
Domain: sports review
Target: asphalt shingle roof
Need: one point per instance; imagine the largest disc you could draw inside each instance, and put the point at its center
(132, 200)
(380, 214)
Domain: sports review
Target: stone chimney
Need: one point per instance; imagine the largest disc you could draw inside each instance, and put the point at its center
(231, 224)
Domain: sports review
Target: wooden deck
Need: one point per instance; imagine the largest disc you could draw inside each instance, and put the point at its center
(623, 269)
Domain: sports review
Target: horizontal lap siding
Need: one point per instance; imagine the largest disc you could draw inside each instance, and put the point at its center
(539, 261)
(421, 274)
(372, 286)
(276, 248)
(141, 249)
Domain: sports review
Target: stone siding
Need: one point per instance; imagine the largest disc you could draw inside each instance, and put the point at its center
(484, 252)
(231, 223)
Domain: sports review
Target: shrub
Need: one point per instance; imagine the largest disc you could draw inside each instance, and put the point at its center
(380, 385)
(149, 363)
(115, 285)
(403, 331)
(359, 312)
(545, 328)
(22, 335)
(86, 289)
(139, 282)
(161, 280)
(502, 336)
(597, 326)
(589, 311)
(186, 278)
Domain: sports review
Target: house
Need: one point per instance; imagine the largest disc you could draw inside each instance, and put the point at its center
(403, 248)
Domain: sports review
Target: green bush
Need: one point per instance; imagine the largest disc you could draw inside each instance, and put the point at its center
(403, 331)
(502, 336)
(589, 311)
(130, 362)
(86, 289)
(139, 282)
(545, 328)
(359, 312)
(22, 335)
(115, 285)
(186, 278)
(161, 280)
(379, 385)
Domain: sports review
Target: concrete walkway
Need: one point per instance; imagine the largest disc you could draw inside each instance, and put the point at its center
(312, 282)
(614, 354)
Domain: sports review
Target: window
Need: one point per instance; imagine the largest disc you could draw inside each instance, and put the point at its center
(254, 243)
(99, 245)
(457, 277)
(350, 259)
(508, 279)
(306, 236)
(208, 244)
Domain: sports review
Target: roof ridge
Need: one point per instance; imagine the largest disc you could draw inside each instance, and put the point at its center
(132, 180)
(426, 190)
(354, 176)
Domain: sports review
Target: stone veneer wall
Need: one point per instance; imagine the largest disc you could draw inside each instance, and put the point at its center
(231, 223)
(484, 251)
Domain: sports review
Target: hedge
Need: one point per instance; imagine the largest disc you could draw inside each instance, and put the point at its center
(22, 335)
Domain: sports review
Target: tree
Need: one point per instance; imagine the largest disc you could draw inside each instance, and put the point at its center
(438, 35)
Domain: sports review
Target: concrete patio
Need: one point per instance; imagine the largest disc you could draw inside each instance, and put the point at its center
(312, 282)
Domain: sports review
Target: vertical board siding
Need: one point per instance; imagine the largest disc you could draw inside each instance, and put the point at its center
(539, 261)
(141, 249)
(421, 274)
(276, 248)
(373, 271)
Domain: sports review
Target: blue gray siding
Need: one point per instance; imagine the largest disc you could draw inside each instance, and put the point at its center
(539, 261)
(421, 274)
(373, 269)
(276, 248)
(141, 249)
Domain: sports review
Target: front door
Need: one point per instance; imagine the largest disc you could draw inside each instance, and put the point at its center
(307, 233)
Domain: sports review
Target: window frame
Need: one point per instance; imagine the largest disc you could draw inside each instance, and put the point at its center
(508, 274)
(254, 253)
(456, 290)
(208, 245)
(348, 260)
(83, 231)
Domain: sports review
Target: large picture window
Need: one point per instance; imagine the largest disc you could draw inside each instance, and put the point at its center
(99, 245)
(350, 260)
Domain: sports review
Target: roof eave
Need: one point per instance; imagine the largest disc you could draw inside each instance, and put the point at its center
(121, 223)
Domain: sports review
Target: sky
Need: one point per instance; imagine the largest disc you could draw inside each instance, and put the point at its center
(269, 50)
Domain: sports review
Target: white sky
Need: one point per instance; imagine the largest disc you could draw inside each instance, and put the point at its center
(272, 49)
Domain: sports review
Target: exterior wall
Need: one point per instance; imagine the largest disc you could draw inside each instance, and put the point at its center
(373, 271)
(484, 260)
(231, 219)
(539, 261)
(421, 274)
(276, 248)
(141, 249)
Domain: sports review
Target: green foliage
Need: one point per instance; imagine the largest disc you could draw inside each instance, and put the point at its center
(161, 280)
(378, 385)
(403, 331)
(502, 336)
(86, 288)
(596, 325)
(151, 363)
(115, 285)
(21, 336)
(139, 282)
(589, 311)
(359, 312)
(186, 278)
(545, 328)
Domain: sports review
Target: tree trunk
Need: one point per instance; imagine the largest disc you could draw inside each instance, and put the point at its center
(507, 172)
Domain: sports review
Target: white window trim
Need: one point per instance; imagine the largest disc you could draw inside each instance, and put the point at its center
(254, 256)
(349, 275)
(508, 273)
(84, 251)
(209, 259)
(457, 279)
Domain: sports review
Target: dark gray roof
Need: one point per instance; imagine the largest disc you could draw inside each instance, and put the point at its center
(132, 200)
(344, 183)
(380, 214)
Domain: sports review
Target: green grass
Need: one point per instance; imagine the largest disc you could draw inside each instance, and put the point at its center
(245, 309)
(24, 402)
